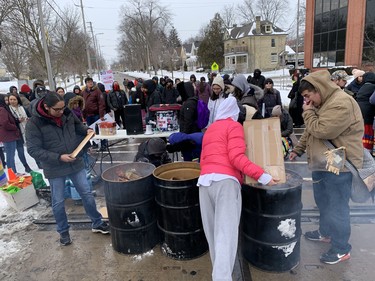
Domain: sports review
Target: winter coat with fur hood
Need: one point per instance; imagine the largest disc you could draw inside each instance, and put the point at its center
(338, 118)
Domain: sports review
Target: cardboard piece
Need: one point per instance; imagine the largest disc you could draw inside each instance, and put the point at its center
(23, 199)
(264, 147)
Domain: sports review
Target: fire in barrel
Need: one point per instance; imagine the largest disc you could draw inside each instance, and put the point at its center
(129, 194)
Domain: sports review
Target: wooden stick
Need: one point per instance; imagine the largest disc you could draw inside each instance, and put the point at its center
(82, 144)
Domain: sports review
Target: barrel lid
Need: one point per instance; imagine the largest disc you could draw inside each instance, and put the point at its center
(177, 171)
(293, 180)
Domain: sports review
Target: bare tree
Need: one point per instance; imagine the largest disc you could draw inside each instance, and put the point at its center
(274, 11)
(15, 58)
(228, 15)
(142, 21)
(5, 7)
(68, 50)
(247, 11)
(23, 21)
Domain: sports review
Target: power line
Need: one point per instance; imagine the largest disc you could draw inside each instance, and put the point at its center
(57, 12)
(58, 6)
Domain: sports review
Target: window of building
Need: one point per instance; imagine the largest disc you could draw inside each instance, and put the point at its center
(368, 54)
(334, 4)
(318, 24)
(329, 32)
(332, 41)
(326, 5)
(343, 3)
(318, 7)
(233, 60)
(268, 28)
(273, 43)
(273, 57)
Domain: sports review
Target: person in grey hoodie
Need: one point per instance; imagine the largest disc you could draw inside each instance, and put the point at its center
(245, 93)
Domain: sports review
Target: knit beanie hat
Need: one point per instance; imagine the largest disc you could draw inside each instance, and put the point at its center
(357, 73)
(276, 110)
(218, 80)
(156, 146)
(25, 88)
(268, 80)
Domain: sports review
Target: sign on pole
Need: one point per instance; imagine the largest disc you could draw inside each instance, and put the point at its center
(214, 67)
(106, 77)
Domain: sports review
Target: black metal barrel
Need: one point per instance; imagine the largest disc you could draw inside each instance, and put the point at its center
(179, 217)
(271, 224)
(131, 208)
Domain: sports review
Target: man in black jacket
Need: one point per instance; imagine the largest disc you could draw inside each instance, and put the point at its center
(189, 116)
(52, 134)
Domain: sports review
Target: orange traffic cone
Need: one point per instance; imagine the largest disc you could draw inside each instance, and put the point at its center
(11, 174)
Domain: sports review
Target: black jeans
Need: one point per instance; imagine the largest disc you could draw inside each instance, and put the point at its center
(120, 114)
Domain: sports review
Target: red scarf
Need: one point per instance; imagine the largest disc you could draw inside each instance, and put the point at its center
(42, 112)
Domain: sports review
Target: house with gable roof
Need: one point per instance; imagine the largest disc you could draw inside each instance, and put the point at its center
(254, 45)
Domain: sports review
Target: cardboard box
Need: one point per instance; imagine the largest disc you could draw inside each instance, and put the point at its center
(264, 147)
(23, 199)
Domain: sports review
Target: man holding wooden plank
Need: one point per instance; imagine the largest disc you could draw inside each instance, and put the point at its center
(54, 136)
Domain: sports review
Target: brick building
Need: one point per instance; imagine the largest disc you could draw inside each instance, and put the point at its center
(339, 32)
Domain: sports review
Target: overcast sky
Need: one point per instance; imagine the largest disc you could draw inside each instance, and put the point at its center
(187, 17)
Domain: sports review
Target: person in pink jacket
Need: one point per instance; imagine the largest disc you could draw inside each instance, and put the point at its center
(223, 166)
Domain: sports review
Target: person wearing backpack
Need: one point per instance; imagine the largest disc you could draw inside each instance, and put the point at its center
(188, 119)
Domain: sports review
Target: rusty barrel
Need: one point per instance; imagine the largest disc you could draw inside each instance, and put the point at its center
(179, 217)
(131, 207)
(271, 224)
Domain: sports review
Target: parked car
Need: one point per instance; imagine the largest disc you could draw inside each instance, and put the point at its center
(200, 69)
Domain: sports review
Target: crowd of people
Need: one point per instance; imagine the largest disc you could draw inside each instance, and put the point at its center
(50, 123)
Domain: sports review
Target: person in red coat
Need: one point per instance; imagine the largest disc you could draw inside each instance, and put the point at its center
(223, 166)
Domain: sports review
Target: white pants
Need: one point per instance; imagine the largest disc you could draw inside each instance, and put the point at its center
(220, 206)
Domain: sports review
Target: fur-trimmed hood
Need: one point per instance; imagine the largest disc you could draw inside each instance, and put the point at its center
(79, 99)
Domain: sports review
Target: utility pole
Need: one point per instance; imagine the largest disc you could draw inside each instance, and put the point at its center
(297, 39)
(148, 59)
(87, 48)
(51, 82)
(96, 50)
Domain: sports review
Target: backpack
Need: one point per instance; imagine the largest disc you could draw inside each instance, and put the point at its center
(203, 114)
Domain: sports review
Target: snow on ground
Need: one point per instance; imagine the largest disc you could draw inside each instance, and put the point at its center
(12, 221)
